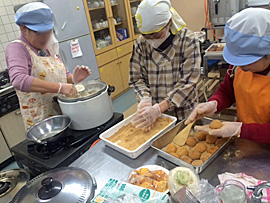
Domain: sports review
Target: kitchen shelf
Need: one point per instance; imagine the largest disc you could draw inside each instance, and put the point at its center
(114, 5)
(133, 1)
(102, 28)
(118, 24)
(93, 9)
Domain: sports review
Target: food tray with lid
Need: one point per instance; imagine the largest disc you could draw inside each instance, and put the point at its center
(135, 153)
(162, 141)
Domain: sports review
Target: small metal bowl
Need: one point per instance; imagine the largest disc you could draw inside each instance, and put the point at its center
(49, 129)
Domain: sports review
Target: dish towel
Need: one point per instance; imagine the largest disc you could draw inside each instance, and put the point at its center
(247, 181)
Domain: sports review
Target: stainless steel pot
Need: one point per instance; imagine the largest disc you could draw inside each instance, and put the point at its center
(60, 185)
(91, 108)
(49, 130)
(11, 182)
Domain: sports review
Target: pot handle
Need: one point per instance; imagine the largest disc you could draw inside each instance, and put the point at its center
(55, 100)
(110, 89)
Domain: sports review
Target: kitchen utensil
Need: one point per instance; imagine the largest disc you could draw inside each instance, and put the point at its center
(181, 138)
(95, 4)
(104, 24)
(108, 39)
(137, 152)
(232, 191)
(68, 184)
(97, 25)
(103, 44)
(185, 196)
(11, 181)
(89, 5)
(101, 3)
(49, 129)
(91, 110)
(160, 143)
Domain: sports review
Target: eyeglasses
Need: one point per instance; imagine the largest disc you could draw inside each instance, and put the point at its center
(155, 35)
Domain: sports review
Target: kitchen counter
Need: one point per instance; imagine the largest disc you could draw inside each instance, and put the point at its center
(244, 156)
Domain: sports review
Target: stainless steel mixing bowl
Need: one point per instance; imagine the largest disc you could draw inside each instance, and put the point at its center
(49, 129)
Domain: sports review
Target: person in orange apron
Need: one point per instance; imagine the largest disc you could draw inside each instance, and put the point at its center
(35, 70)
(247, 83)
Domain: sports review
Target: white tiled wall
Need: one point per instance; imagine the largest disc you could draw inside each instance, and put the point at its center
(9, 31)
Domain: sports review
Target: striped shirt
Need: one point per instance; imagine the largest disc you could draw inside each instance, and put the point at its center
(172, 74)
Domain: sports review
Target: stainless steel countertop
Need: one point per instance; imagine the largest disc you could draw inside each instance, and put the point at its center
(243, 156)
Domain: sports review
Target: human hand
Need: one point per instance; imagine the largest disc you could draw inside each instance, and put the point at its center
(146, 116)
(202, 110)
(68, 90)
(145, 102)
(228, 129)
(80, 73)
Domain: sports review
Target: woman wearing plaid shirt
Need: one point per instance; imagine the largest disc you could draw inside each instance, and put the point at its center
(165, 64)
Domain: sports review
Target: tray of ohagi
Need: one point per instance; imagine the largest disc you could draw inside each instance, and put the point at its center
(132, 141)
(199, 150)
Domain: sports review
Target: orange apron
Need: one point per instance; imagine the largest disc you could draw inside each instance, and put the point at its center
(252, 95)
(36, 106)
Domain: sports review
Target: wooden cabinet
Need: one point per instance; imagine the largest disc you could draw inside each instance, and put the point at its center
(4, 150)
(116, 74)
(109, 21)
(111, 74)
(133, 4)
(124, 69)
(106, 57)
(12, 128)
(124, 49)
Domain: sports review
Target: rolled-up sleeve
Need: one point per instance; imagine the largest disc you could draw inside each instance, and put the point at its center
(19, 67)
(183, 90)
(138, 74)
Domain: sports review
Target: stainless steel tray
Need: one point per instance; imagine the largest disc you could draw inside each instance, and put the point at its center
(165, 139)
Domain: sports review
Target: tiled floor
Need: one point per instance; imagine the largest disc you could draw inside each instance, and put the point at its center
(120, 104)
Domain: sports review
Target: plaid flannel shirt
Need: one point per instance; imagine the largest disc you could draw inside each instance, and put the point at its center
(172, 74)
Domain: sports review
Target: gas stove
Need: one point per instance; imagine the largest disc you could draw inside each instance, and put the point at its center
(36, 158)
(4, 79)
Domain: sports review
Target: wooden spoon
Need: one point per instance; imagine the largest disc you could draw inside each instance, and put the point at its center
(181, 138)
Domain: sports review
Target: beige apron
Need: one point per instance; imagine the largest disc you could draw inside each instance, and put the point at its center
(36, 106)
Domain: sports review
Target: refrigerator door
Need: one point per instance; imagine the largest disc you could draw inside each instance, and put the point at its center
(69, 18)
(88, 57)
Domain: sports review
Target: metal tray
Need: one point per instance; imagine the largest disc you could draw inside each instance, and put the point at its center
(165, 139)
(135, 153)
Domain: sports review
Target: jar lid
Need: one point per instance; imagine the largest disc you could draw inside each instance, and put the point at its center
(68, 184)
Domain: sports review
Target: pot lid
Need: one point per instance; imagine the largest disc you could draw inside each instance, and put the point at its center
(92, 89)
(11, 182)
(68, 184)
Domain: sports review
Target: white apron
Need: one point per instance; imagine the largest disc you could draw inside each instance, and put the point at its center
(36, 106)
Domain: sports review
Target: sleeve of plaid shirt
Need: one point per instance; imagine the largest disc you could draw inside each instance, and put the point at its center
(138, 74)
(187, 82)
